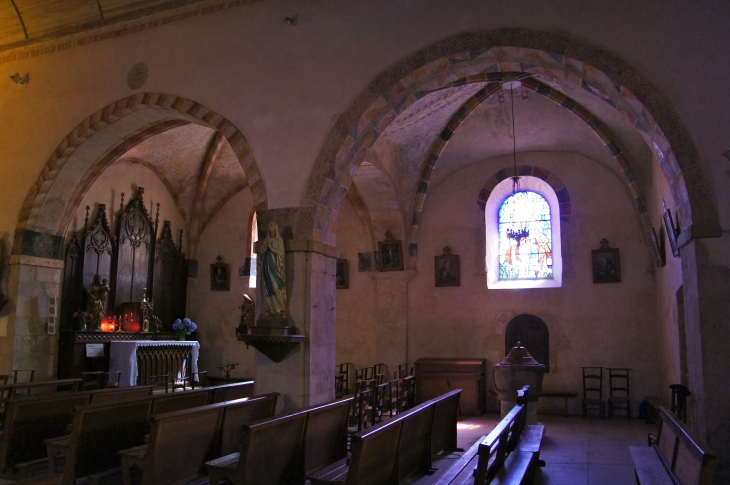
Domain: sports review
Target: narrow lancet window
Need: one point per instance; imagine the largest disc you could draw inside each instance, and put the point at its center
(525, 237)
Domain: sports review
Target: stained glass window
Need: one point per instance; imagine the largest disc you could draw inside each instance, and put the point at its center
(525, 237)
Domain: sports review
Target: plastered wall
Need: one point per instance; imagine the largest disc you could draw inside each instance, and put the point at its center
(216, 312)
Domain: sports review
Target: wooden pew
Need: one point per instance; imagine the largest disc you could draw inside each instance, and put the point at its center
(7, 391)
(231, 392)
(164, 403)
(398, 448)
(242, 411)
(99, 432)
(119, 394)
(280, 451)
(509, 454)
(32, 419)
(181, 441)
(674, 456)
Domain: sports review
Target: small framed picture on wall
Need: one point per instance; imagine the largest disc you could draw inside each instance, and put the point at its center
(342, 274)
(672, 231)
(220, 276)
(390, 253)
(606, 264)
(447, 269)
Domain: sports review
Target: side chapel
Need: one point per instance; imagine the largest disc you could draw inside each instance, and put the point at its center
(445, 178)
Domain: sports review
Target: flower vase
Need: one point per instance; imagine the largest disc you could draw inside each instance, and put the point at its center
(181, 336)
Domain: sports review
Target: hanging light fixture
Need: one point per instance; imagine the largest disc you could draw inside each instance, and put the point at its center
(515, 178)
(522, 232)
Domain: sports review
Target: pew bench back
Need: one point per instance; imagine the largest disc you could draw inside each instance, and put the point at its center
(230, 392)
(180, 443)
(242, 411)
(271, 451)
(32, 419)
(99, 431)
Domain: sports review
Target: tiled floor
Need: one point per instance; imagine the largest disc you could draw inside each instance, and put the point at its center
(577, 451)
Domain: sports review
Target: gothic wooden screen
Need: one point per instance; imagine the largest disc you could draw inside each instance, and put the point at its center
(73, 296)
(170, 278)
(98, 249)
(136, 243)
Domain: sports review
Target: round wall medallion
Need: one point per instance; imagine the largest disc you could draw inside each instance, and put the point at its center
(137, 75)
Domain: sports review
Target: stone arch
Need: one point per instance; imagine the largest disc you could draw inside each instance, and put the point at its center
(547, 54)
(561, 191)
(137, 117)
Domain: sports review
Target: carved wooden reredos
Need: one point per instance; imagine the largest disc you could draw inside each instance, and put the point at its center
(131, 260)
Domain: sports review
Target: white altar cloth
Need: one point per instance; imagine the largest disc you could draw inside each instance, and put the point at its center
(123, 357)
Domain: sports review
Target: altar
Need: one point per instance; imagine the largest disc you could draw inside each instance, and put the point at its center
(138, 360)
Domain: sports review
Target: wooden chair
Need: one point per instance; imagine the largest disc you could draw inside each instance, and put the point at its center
(619, 396)
(358, 417)
(593, 390)
(339, 385)
(344, 371)
(160, 381)
(377, 405)
(393, 387)
(180, 443)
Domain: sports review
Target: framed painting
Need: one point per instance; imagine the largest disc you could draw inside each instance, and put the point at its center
(447, 269)
(672, 231)
(606, 264)
(390, 253)
(657, 244)
(220, 276)
(342, 274)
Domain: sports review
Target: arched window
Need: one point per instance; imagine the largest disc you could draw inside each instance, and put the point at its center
(254, 238)
(523, 236)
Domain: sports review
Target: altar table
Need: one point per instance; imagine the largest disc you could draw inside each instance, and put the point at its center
(123, 356)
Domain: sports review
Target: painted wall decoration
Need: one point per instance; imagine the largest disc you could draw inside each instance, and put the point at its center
(525, 237)
(606, 264)
(447, 269)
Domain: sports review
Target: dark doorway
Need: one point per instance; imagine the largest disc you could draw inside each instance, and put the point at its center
(532, 332)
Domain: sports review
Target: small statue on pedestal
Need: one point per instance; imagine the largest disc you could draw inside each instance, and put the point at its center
(248, 311)
(97, 297)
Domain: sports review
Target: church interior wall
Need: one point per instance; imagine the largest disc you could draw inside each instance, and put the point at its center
(217, 313)
(356, 314)
(610, 325)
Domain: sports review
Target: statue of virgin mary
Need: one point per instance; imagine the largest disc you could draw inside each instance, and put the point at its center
(271, 257)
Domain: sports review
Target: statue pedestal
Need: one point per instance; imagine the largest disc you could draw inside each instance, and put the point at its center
(272, 336)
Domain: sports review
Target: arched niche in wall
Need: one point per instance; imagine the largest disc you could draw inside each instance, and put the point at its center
(533, 333)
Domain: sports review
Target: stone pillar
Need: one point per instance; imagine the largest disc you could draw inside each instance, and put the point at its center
(307, 375)
(706, 285)
(34, 292)
(391, 331)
